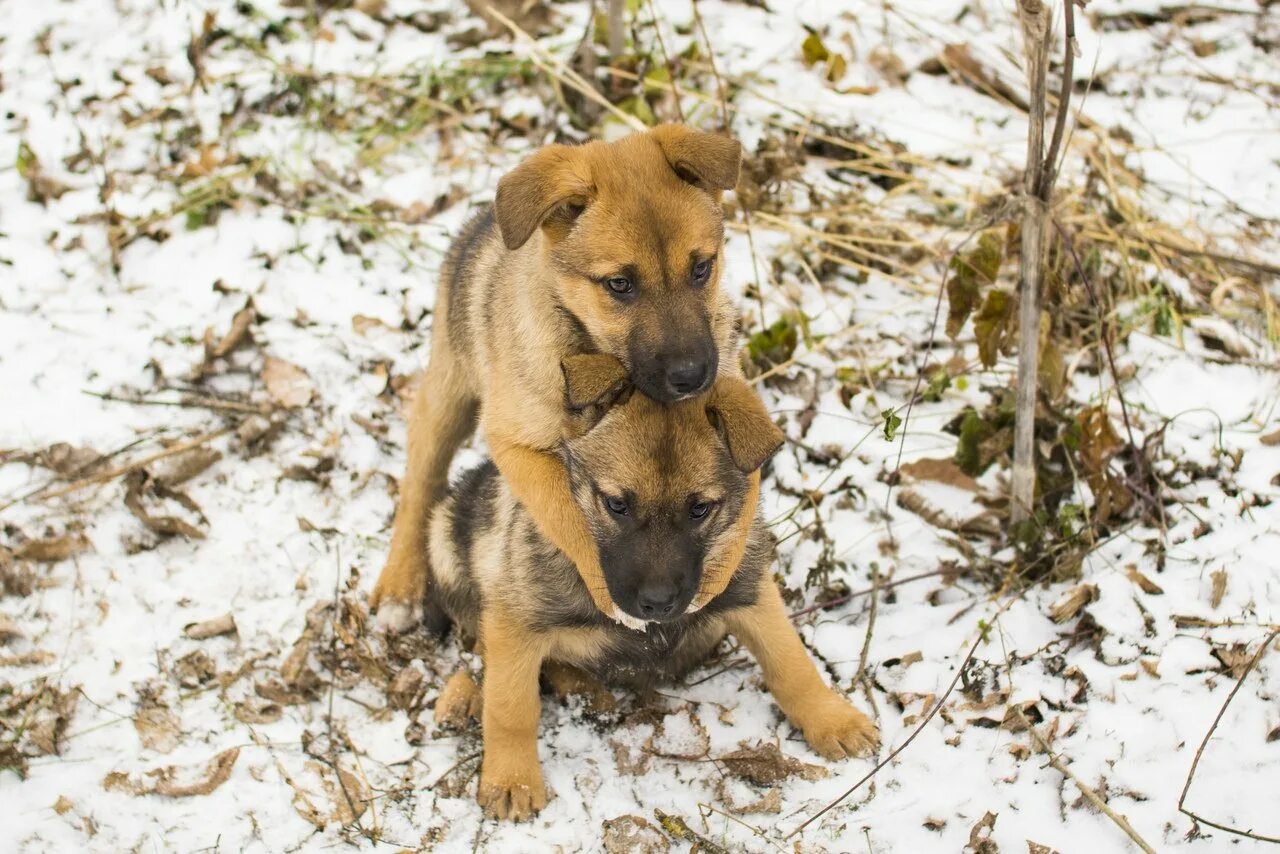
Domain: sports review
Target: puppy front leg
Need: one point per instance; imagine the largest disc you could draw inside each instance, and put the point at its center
(541, 483)
(830, 723)
(511, 784)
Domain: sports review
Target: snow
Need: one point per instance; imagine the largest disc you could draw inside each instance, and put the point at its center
(1130, 704)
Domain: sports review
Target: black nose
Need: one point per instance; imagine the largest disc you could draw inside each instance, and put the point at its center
(657, 599)
(687, 376)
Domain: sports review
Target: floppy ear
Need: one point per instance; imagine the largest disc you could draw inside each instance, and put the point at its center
(707, 160)
(593, 384)
(740, 418)
(548, 180)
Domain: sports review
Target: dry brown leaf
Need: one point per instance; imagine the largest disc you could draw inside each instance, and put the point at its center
(1070, 604)
(53, 549)
(9, 630)
(1271, 439)
(181, 468)
(194, 669)
(918, 502)
(158, 727)
(941, 471)
(681, 735)
(341, 801)
(288, 385)
(67, 460)
(1219, 578)
(236, 336)
(51, 714)
(181, 781)
(980, 841)
(251, 711)
(766, 764)
(1144, 583)
(362, 323)
(224, 625)
(1235, 658)
(633, 834)
(139, 486)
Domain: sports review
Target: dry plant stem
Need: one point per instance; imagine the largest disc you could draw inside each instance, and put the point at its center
(883, 762)
(1253, 662)
(666, 58)
(111, 474)
(1094, 798)
(616, 40)
(565, 75)
(1035, 32)
(882, 586)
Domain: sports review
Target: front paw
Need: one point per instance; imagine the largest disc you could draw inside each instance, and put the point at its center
(836, 729)
(511, 790)
(397, 597)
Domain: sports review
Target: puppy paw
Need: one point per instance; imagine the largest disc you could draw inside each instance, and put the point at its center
(460, 701)
(512, 794)
(396, 618)
(397, 597)
(836, 729)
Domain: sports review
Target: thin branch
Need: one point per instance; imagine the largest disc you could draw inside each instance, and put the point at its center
(1253, 662)
(933, 711)
(1049, 173)
(111, 474)
(884, 585)
(1093, 797)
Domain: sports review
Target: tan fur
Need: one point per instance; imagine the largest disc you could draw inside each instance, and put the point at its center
(830, 724)
(621, 439)
(651, 204)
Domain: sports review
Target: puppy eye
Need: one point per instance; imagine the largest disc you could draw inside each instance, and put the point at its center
(619, 285)
(702, 271)
(700, 509)
(616, 506)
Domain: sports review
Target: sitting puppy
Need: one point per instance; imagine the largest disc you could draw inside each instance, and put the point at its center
(662, 488)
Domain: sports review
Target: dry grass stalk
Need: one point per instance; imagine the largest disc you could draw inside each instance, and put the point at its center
(1094, 797)
(1034, 16)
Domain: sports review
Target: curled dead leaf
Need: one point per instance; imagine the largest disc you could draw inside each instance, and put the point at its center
(1069, 605)
(176, 781)
(633, 834)
(53, 549)
(223, 625)
(765, 765)
(288, 385)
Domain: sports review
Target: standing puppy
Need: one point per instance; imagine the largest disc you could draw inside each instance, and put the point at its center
(662, 488)
(605, 248)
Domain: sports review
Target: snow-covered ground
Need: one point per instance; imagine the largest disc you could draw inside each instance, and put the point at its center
(150, 191)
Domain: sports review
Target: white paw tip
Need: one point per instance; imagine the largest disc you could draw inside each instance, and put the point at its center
(397, 617)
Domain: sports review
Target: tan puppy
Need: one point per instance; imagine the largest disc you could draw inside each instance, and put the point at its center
(608, 248)
(662, 488)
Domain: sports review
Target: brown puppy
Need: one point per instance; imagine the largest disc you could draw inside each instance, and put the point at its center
(662, 488)
(609, 248)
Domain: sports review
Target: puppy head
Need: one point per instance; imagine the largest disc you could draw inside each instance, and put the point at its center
(632, 232)
(662, 486)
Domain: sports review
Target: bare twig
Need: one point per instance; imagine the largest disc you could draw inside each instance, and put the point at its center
(188, 401)
(884, 585)
(111, 474)
(1094, 798)
(1253, 662)
(666, 58)
(883, 762)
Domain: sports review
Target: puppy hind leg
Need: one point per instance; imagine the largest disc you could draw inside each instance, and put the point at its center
(566, 681)
(442, 417)
(460, 701)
